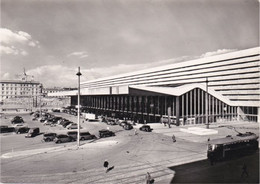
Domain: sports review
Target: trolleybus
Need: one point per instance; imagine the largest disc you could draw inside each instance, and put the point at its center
(242, 143)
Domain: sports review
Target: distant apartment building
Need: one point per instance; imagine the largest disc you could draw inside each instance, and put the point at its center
(19, 88)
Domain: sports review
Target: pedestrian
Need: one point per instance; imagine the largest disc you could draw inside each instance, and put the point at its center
(106, 165)
(211, 159)
(173, 138)
(148, 178)
(244, 171)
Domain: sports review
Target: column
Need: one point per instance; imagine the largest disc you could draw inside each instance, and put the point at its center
(258, 114)
(177, 107)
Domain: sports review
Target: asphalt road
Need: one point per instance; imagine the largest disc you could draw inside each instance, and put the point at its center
(130, 156)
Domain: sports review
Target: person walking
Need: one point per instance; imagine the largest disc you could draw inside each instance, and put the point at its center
(244, 171)
(135, 131)
(106, 165)
(148, 178)
(173, 138)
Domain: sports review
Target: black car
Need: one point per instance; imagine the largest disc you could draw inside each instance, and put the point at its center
(106, 133)
(86, 136)
(5, 129)
(21, 130)
(61, 138)
(128, 126)
(49, 137)
(33, 132)
(146, 128)
(17, 119)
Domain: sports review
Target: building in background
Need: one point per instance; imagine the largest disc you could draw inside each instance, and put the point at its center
(218, 88)
(21, 91)
(25, 93)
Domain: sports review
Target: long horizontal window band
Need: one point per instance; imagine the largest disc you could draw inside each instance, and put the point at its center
(164, 77)
(237, 89)
(183, 67)
(256, 100)
(122, 78)
(253, 83)
(241, 95)
(132, 81)
(210, 81)
(153, 82)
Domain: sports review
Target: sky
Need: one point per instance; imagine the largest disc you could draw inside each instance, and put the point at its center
(51, 39)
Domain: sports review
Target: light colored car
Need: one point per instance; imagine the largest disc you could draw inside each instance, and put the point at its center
(20, 125)
(73, 126)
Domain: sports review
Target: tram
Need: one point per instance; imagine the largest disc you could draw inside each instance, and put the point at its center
(241, 144)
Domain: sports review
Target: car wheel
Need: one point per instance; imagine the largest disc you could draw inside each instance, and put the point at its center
(82, 138)
(47, 140)
(58, 141)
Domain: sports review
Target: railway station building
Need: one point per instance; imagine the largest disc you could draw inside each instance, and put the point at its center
(221, 87)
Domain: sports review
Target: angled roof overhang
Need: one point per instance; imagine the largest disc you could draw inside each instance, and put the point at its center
(180, 90)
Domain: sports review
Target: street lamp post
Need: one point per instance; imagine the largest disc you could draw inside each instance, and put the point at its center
(78, 137)
(207, 103)
(40, 95)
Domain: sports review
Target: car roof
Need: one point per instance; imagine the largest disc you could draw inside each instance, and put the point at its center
(72, 132)
(231, 139)
(103, 130)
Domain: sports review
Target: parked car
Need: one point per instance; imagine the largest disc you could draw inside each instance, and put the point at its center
(73, 135)
(106, 133)
(111, 122)
(55, 110)
(146, 128)
(73, 126)
(61, 138)
(86, 136)
(21, 130)
(33, 132)
(17, 119)
(5, 129)
(47, 137)
(66, 123)
(19, 125)
(122, 123)
(128, 126)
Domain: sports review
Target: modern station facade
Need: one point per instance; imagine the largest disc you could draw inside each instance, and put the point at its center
(222, 87)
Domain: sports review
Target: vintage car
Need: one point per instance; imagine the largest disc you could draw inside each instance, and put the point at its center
(106, 133)
(47, 137)
(146, 128)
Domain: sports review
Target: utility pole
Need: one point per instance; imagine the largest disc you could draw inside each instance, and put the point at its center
(78, 137)
(207, 103)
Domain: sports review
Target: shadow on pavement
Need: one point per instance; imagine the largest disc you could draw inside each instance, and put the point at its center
(227, 171)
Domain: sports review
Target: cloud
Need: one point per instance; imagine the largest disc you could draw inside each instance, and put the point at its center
(55, 75)
(14, 43)
(78, 54)
(219, 51)
(5, 76)
(12, 51)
